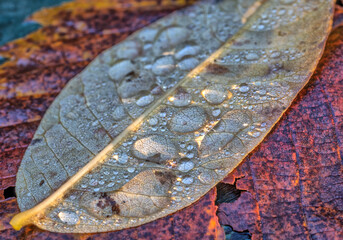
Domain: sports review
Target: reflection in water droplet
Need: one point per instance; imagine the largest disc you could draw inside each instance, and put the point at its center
(68, 217)
(186, 166)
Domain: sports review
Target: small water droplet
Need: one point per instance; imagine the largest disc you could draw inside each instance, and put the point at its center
(131, 169)
(254, 134)
(190, 147)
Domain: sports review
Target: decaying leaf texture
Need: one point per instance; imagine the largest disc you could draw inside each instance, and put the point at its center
(185, 135)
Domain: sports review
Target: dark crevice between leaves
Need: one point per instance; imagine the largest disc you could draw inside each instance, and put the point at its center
(228, 193)
(9, 192)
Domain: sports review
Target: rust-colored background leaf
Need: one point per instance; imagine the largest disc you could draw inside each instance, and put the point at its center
(26, 105)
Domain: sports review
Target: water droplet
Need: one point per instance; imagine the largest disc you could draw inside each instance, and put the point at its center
(181, 98)
(244, 88)
(186, 166)
(206, 177)
(71, 115)
(119, 70)
(128, 49)
(123, 158)
(145, 100)
(155, 148)
(147, 34)
(190, 147)
(254, 134)
(275, 54)
(187, 51)
(187, 180)
(163, 65)
(131, 169)
(178, 188)
(188, 120)
(252, 56)
(188, 63)
(170, 37)
(216, 94)
(68, 217)
(216, 112)
(153, 121)
(119, 113)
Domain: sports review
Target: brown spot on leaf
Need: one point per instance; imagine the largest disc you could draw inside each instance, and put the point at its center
(216, 69)
(165, 177)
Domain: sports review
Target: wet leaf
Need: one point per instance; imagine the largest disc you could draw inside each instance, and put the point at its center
(158, 156)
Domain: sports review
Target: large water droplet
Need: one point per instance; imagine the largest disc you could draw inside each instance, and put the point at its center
(68, 217)
(181, 98)
(145, 100)
(188, 120)
(119, 70)
(163, 65)
(187, 51)
(216, 94)
(186, 166)
(154, 148)
(128, 49)
(170, 37)
(188, 63)
(187, 180)
(206, 177)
